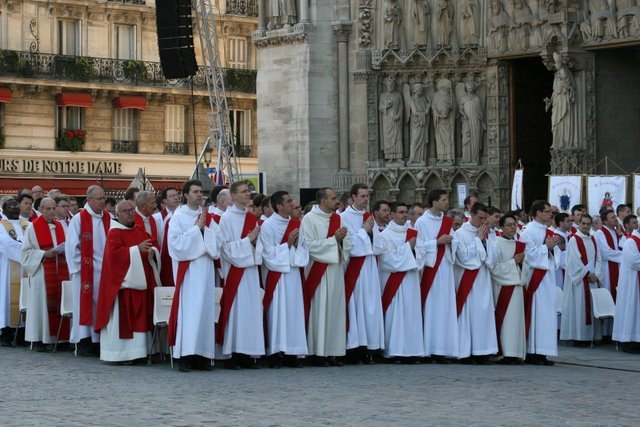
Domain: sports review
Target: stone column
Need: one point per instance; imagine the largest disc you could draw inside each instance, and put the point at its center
(342, 29)
(262, 15)
(303, 12)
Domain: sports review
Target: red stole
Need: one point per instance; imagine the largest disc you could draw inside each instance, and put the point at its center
(318, 269)
(351, 274)
(164, 213)
(395, 279)
(273, 277)
(166, 264)
(86, 263)
(232, 282)
(504, 299)
(532, 287)
(55, 271)
(216, 262)
(32, 218)
(429, 273)
(139, 221)
(614, 271)
(637, 241)
(585, 280)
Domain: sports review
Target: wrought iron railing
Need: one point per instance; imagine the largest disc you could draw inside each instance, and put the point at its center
(176, 148)
(124, 146)
(242, 7)
(140, 2)
(243, 150)
(108, 70)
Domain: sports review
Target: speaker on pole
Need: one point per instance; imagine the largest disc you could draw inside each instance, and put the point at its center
(175, 38)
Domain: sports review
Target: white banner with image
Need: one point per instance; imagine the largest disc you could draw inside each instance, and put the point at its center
(565, 191)
(605, 191)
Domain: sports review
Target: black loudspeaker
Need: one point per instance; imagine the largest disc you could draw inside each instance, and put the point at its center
(175, 38)
(308, 195)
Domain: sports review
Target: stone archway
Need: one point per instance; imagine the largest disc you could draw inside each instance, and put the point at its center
(407, 186)
(380, 187)
(433, 182)
(486, 186)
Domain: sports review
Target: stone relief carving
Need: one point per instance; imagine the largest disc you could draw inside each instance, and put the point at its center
(499, 22)
(521, 20)
(419, 106)
(471, 108)
(600, 21)
(421, 15)
(392, 24)
(562, 104)
(470, 11)
(365, 23)
(444, 23)
(391, 110)
(444, 121)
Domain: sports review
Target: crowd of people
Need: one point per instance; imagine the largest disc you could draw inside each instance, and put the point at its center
(257, 275)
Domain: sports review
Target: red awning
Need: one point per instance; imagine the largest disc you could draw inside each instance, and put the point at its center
(74, 99)
(74, 187)
(124, 102)
(5, 95)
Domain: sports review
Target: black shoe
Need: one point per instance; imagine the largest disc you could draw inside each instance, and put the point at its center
(483, 360)
(293, 361)
(40, 347)
(577, 343)
(247, 362)
(547, 362)
(507, 361)
(533, 359)
(184, 364)
(607, 340)
(232, 364)
(467, 361)
(334, 361)
(275, 361)
(202, 364)
(319, 361)
(426, 360)
(409, 361)
(441, 360)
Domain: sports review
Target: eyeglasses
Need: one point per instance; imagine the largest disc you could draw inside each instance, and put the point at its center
(126, 210)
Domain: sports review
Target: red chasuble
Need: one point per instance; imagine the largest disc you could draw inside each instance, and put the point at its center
(614, 272)
(55, 271)
(585, 280)
(395, 279)
(86, 263)
(132, 303)
(139, 221)
(504, 298)
(429, 273)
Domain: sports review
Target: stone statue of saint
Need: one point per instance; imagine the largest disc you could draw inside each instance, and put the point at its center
(444, 121)
(444, 18)
(275, 13)
(392, 21)
(420, 13)
(499, 22)
(562, 105)
(288, 12)
(420, 105)
(603, 19)
(472, 114)
(521, 25)
(470, 11)
(391, 110)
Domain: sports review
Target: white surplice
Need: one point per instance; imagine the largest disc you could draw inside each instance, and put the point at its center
(573, 326)
(542, 337)
(366, 323)
(476, 322)
(403, 318)
(326, 331)
(608, 255)
(195, 330)
(10, 252)
(505, 272)
(73, 257)
(626, 323)
(561, 263)
(440, 324)
(285, 317)
(160, 223)
(244, 331)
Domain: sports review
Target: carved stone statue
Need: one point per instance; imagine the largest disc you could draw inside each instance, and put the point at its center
(562, 104)
(628, 19)
(521, 25)
(444, 121)
(391, 110)
(392, 21)
(444, 19)
(281, 13)
(420, 13)
(473, 126)
(602, 19)
(420, 105)
(274, 15)
(498, 24)
(470, 11)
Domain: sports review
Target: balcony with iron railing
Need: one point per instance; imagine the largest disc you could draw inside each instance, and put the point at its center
(138, 2)
(130, 147)
(112, 71)
(178, 148)
(242, 7)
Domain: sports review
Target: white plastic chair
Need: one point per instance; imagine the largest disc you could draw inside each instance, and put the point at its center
(602, 306)
(23, 301)
(162, 300)
(559, 299)
(66, 309)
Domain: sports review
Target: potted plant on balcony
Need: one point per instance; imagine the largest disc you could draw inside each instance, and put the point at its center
(71, 140)
(134, 70)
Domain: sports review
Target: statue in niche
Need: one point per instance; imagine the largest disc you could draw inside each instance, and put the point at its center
(471, 110)
(391, 110)
(392, 21)
(288, 12)
(444, 19)
(520, 25)
(626, 17)
(419, 105)
(562, 104)
(499, 22)
(420, 13)
(444, 121)
(602, 20)
(274, 15)
(470, 11)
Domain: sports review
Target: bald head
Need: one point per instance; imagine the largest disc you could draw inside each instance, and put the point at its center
(223, 200)
(96, 198)
(48, 209)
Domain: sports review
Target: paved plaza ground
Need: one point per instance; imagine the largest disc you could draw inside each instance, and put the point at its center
(588, 386)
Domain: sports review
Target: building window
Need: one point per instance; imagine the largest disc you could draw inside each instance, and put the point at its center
(174, 119)
(69, 38)
(125, 41)
(240, 121)
(70, 118)
(238, 52)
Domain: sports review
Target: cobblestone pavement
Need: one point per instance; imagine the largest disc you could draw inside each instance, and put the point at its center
(595, 387)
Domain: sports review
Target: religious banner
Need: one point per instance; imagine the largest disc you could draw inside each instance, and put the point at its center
(565, 191)
(605, 191)
(636, 192)
(517, 197)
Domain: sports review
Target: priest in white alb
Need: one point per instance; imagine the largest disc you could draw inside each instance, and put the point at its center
(435, 258)
(240, 333)
(400, 277)
(362, 281)
(626, 324)
(193, 245)
(329, 246)
(283, 257)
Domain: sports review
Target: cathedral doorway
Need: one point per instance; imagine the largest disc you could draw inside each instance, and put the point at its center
(529, 83)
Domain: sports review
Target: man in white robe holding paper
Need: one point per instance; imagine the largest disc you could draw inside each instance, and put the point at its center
(329, 246)
(626, 324)
(583, 264)
(399, 274)
(365, 336)
(474, 298)
(283, 257)
(437, 286)
(610, 239)
(193, 245)
(240, 332)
